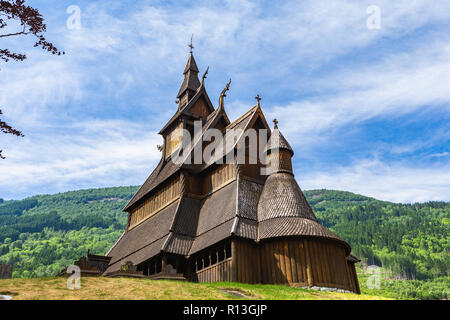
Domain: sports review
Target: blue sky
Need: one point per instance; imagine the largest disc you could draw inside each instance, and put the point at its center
(366, 110)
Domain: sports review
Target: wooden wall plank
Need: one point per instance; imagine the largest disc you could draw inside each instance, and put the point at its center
(293, 262)
(234, 261)
(258, 267)
(327, 247)
(307, 263)
(311, 250)
(323, 259)
(281, 269)
(274, 265)
(287, 261)
(298, 264)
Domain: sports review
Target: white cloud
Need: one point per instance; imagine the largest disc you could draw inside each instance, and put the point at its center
(398, 85)
(34, 93)
(439, 155)
(91, 154)
(391, 182)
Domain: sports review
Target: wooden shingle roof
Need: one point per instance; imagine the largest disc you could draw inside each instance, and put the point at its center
(190, 72)
(277, 142)
(163, 171)
(282, 197)
(143, 240)
(284, 211)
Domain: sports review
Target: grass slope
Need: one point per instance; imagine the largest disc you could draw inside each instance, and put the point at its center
(143, 289)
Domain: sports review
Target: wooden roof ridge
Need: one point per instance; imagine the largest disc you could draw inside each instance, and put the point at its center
(236, 213)
(242, 117)
(210, 122)
(138, 195)
(172, 225)
(184, 110)
(146, 234)
(185, 218)
(115, 244)
(247, 116)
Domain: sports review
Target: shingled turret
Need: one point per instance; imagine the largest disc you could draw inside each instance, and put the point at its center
(279, 152)
(283, 209)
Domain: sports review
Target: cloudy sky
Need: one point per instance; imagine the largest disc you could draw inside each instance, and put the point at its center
(366, 110)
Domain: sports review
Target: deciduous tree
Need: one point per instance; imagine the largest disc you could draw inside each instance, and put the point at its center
(19, 20)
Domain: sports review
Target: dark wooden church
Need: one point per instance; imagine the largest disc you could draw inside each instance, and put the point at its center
(225, 221)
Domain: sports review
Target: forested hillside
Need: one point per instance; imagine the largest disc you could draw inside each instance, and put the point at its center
(43, 234)
(411, 240)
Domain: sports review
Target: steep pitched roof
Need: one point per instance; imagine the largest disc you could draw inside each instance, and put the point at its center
(184, 227)
(201, 92)
(239, 125)
(282, 197)
(163, 171)
(216, 218)
(144, 240)
(246, 221)
(190, 81)
(277, 142)
(284, 211)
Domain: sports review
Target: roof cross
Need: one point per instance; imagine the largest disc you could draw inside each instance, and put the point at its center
(258, 98)
(190, 45)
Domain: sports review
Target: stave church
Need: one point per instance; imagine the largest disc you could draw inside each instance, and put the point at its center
(224, 220)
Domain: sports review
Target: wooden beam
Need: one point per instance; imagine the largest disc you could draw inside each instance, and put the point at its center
(234, 261)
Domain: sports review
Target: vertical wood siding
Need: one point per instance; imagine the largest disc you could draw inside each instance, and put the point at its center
(291, 261)
(155, 203)
(296, 261)
(218, 177)
(218, 272)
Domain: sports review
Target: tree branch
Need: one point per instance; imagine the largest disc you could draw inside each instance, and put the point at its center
(6, 128)
(14, 34)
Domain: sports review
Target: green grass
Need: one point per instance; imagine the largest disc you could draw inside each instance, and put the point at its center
(143, 289)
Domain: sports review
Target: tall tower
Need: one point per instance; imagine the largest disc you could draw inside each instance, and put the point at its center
(190, 83)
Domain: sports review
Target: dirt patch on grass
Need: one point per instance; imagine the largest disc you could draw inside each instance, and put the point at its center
(240, 293)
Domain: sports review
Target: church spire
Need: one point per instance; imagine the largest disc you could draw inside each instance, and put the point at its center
(191, 82)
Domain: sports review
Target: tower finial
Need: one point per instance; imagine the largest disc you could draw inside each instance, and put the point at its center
(190, 45)
(258, 98)
(275, 123)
